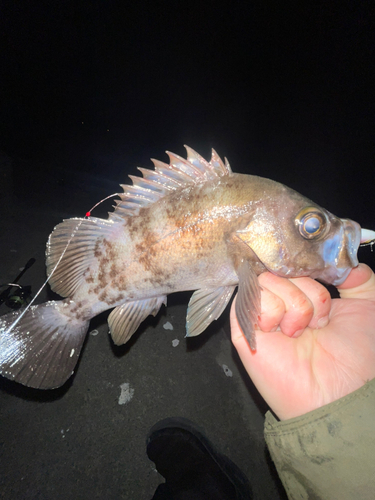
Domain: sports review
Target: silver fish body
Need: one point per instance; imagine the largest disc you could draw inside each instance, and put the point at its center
(189, 225)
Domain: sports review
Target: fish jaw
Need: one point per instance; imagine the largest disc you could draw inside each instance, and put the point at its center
(340, 253)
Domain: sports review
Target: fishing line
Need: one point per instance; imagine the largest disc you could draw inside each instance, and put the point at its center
(367, 243)
(88, 214)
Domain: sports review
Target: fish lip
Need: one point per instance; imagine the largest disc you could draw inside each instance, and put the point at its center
(333, 274)
(341, 277)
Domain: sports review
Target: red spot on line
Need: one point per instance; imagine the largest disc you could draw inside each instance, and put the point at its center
(88, 214)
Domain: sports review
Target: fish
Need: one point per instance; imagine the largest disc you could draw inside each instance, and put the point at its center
(187, 225)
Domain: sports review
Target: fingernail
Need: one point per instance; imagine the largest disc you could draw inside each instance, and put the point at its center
(322, 322)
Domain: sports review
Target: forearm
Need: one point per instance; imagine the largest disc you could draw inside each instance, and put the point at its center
(328, 453)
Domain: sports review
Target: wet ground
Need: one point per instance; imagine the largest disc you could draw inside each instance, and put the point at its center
(86, 440)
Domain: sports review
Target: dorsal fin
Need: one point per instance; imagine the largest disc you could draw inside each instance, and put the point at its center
(166, 178)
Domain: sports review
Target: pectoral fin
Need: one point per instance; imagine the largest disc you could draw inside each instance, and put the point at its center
(124, 320)
(205, 306)
(248, 301)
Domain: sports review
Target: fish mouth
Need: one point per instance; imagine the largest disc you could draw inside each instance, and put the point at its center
(340, 252)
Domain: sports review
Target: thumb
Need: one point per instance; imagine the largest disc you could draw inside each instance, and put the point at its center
(360, 284)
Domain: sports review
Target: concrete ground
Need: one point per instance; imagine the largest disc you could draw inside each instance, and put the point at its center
(86, 440)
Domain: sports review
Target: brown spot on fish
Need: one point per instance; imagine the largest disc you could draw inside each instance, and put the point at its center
(120, 282)
(77, 311)
(107, 266)
(102, 278)
(146, 261)
(135, 224)
(157, 280)
(110, 254)
(129, 222)
(113, 272)
(88, 276)
(144, 213)
(97, 250)
(115, 299)
(147, 251)
(74, 309)
(79, 314)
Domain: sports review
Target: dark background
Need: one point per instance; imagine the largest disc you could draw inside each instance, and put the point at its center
(283, 89)
(89, 91)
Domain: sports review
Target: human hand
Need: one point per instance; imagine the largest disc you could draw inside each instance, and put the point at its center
(323, 348)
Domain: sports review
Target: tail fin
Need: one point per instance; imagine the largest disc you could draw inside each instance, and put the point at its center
(42, 348)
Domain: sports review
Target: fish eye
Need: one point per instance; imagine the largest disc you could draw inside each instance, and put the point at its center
(311, 223)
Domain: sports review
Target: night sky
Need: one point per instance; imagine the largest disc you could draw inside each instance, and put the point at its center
(283, 89)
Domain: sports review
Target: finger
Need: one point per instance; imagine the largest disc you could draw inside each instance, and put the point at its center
(299, 309)
(320, 298)
(360, 284)
(272, 311)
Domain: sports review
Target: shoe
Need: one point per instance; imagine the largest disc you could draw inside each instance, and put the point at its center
(191, 466)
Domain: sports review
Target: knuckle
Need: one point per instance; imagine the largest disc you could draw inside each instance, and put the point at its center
(301, 304)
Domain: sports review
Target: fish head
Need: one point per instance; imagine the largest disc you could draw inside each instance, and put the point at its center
(292, 236)
(335, 252)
